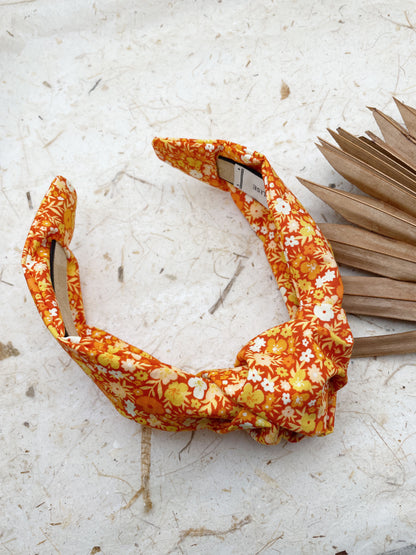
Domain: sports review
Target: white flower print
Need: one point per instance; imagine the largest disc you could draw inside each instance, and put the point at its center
(258, 343)
(53, 312)
(288, 412)
(199, 387)
(329, 275)
(246, 425)
(282, 207)
(349, 339)
(314, 373)
(267, 385)
(73, 338)
(210, 147)
(306, 356)
(117, 374)
(40, 267)
(308, 333)
(206, 169)
(264, 230)
(324, 312)
(130, 408)
(291, 241)
(195, 173)
(305, 342)
(128, 364)
(153, 420)
(286, 398)
(285, 386)
(30, 262)
(293, 225)
(247, 158)
(164, 373)
(253, 375)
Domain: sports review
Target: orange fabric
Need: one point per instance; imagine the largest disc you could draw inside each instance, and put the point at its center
(284, 381)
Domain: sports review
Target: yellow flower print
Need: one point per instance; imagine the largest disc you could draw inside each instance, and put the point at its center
(47, 318)
(250, 397)
(53, 331)
(293, 299)
(304, 285)
(280, 371)
(300, 399)
(295, 273)
(141, 375)
(311, 268)
(195, 403)
(307, 229)
(176, 393)
(319, 355)
(286, 331)
(69, 218)
(298, 381)
(71, 268)
(194, 163)
(108, 359)
(276, 347)
(291, 345)
(329, 364)
(268, 405)
(282, 257)
(43, 285)
(307, 422)
(298, 260)
(318, 294)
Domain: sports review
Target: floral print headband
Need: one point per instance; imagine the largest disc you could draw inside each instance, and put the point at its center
(285, 380)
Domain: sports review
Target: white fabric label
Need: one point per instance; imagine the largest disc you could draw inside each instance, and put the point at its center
(250, 183)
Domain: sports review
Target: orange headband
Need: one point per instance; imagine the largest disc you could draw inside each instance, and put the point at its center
(285, 380)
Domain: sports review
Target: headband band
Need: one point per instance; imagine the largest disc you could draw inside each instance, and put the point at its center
(284, 381)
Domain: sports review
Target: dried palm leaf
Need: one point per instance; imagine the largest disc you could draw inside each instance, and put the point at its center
(372, 214)
(371, 252)
(386, 170)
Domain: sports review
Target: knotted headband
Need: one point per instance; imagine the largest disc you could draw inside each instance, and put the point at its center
(284, 381)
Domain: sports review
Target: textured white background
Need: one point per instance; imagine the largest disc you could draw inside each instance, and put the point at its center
(204, 70)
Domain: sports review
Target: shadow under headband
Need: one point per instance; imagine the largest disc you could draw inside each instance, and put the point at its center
(284, 381)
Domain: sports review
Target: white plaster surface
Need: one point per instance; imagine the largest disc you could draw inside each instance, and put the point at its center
(69, 462)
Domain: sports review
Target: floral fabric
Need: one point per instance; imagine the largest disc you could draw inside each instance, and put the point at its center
(285, 380)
